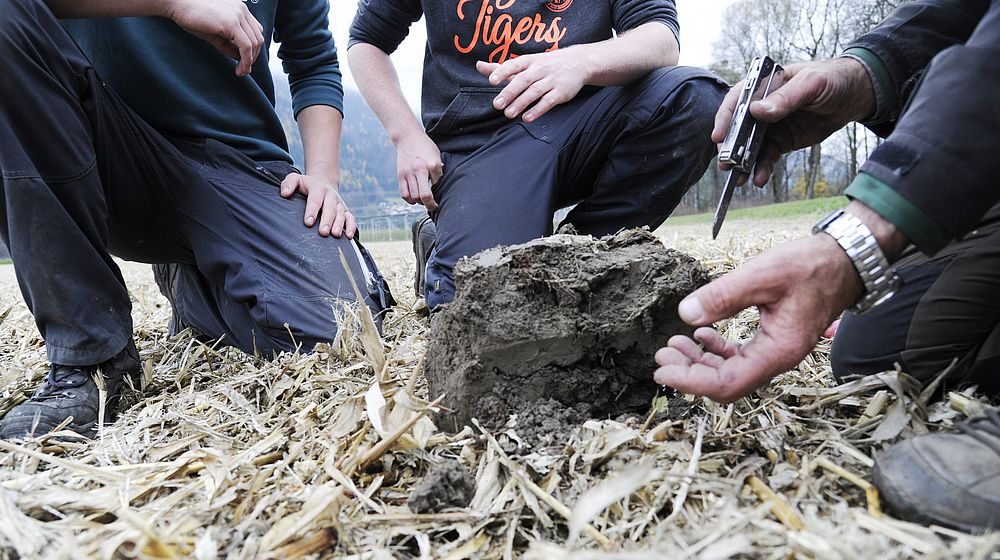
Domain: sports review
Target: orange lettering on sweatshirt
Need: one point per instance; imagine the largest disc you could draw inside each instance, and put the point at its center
(493, 27)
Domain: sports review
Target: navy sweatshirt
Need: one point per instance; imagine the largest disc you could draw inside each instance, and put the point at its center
(182, 85)
(457, 101)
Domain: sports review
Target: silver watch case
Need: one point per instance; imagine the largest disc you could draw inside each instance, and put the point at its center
(862, 248)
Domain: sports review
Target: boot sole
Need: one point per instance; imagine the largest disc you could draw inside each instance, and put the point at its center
(21, 428)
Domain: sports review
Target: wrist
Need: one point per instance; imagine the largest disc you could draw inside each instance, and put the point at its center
(405, 134)
(862, 88)
(332, 177)
(884, 88)
(592, 64)
(842, 271)
(859, 244)
(403, 127)
(168, 8)
(890, 239)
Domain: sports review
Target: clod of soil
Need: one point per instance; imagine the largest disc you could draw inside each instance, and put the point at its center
(545, 424)
(567, 318)
(448, 485)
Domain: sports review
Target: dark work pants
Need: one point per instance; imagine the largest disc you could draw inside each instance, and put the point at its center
(85, 178)
(948, 308)
(623, 155)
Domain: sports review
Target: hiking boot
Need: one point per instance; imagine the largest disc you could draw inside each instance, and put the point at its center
(949, 479)
(72, 391)
(424, 238)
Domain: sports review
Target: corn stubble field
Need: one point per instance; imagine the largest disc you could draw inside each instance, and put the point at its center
(314, 456)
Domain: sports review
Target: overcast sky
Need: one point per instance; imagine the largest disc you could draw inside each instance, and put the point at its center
(700, 22)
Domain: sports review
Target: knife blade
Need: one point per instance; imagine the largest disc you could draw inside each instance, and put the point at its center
(734, 179)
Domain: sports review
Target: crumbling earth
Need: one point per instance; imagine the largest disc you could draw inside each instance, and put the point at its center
(565, 318)
(448, 485)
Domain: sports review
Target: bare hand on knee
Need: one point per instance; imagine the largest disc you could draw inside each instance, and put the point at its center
(536, 82)
(323, 202)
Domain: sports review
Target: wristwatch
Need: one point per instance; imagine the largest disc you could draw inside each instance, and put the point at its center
(862, 248)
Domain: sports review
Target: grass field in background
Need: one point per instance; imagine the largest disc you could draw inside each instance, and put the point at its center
(794, 209)
(5, 261)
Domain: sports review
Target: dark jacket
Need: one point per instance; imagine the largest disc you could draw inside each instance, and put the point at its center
(936, 65)
(457, 101)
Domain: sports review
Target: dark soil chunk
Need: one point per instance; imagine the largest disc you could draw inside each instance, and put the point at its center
(449, 485)
(545, 424)
(566, 318)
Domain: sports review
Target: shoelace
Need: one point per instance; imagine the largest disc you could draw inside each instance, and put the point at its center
(980, 427)
(61, 378)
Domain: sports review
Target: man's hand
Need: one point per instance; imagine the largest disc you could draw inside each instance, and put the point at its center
(322, 200)
(798, 288)
(817, 99)
(227, 24)
(539, 81)
(418, 166)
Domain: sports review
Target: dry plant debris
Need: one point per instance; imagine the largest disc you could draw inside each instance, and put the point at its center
(314, 456)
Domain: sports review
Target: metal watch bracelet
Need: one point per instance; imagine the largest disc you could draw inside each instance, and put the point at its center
(862, 248)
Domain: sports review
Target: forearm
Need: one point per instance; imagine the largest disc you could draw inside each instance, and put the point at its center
(379, 83)
(941, 147)
(629, 56)
(320, 127)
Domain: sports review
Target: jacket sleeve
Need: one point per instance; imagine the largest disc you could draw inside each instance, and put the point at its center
(898, 51)
(308, 54)
(384, 23)
(629, 14)
(934, 176)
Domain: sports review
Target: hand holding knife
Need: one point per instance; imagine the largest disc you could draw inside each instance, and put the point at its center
(743, 140)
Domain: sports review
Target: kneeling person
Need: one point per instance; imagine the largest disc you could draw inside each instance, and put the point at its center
(149, 142)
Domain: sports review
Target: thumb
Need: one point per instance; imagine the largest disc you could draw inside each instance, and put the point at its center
(725, 114)
(798, 92)
(722, 298)
(292, 183)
